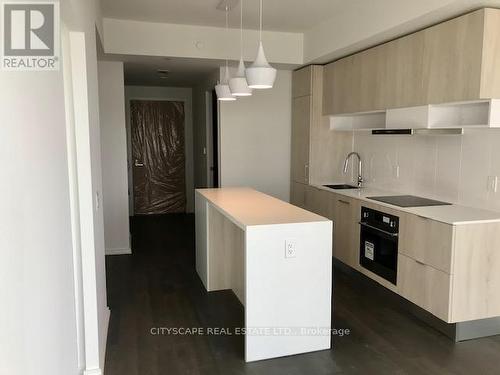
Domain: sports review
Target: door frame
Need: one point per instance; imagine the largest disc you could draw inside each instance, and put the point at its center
(188, 142)
(212, 146)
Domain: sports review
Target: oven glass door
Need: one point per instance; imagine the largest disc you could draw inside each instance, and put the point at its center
(379, 253)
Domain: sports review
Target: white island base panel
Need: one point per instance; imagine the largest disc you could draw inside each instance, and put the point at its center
(287, 297)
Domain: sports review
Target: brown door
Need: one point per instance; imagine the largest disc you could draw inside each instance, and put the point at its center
(158, 156)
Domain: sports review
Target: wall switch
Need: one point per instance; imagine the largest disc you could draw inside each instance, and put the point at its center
(290, 249)
(493, 183)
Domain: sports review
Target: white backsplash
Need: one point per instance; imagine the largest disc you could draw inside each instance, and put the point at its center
(450, 168)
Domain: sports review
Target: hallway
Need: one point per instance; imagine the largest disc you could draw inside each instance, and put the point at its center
(158, 287)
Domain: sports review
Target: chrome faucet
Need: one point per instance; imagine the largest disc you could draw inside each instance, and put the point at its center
(360, 167)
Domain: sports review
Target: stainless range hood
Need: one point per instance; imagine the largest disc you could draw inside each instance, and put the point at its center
(422, 131)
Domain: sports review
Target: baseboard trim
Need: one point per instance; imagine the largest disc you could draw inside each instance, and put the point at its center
(108, 317)
(96, 371)
(123, 251)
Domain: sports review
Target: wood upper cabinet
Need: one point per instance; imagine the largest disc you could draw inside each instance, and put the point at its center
(456, 60)
(452, 58)
(402, 78)
(340, 86)
(301, 117)
(302, 82)
(307, 86)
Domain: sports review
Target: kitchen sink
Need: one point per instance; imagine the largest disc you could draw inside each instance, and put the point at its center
(341, 187)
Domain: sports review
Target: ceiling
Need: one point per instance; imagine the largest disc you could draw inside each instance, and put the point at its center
(279, 15)
(183, 72)
(341, 18)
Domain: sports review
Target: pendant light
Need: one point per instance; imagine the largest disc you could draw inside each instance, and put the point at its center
(260, 75)
(238, 84)
(222, 88)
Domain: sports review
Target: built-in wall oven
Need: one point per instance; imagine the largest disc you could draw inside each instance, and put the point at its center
(379, 243)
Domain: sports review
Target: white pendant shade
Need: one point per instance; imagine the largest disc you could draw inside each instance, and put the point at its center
(238, 84)
(260, 75)
(224, 92)
(222, 88)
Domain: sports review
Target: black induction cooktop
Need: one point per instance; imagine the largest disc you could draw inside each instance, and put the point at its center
(408, 201)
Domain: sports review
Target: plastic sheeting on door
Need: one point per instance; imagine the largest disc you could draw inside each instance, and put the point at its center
(158, 156)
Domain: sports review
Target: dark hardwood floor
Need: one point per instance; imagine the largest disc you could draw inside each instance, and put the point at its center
(158, 286)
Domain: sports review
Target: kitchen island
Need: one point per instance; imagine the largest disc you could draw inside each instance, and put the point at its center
(277, 259)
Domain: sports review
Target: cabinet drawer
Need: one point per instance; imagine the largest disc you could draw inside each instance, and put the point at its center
(428, 241)
(425, 286)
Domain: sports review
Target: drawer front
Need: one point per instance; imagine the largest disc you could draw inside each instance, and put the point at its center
(425, 286)
(428, 241)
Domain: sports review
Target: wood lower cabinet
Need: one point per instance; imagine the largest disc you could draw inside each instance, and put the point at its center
(448, 270)
(427, 241)
(346, 215)
(298, 194)
(425, 286)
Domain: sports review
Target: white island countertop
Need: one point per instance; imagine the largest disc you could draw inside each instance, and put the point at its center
(453, 214)
(248, 207)
(277, 259)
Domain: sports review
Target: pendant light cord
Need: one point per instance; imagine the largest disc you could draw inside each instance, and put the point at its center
(241, 29)
(227, 34)
(260, 33)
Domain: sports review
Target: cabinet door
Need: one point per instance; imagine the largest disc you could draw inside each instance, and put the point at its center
(302, 82)
(425, 286)
(328, 87)
(298, 194)
(301, 119)
(346, 231)
(427, 241)
(318, 201)
(402, 75)
(345, 85)
(452, 59)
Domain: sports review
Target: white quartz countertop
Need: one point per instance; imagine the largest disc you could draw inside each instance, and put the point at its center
(451, 214)
(248, 207)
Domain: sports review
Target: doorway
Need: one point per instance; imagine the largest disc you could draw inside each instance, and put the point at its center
(158, 156)
(214, 167)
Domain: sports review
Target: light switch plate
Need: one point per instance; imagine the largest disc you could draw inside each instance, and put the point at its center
(290, 248)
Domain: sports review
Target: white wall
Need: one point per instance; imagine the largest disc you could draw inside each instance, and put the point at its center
(114, 157)
(37, 328)
(40, 328)
(164, 39)
(255, 139)
(450, 168)
(174, 94)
